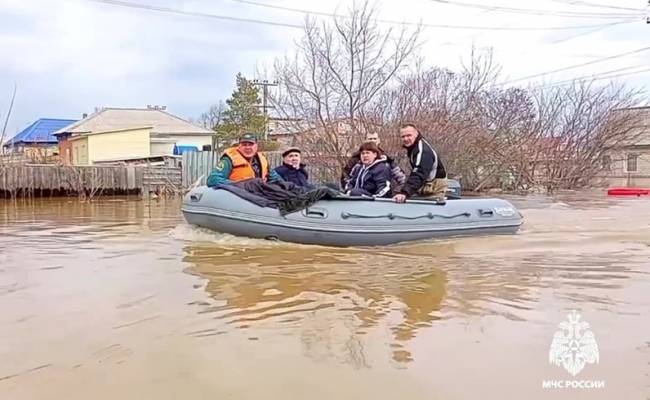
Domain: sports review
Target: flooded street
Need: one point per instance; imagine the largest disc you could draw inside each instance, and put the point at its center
(120, 299)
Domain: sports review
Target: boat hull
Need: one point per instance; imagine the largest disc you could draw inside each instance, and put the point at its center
(350, 222)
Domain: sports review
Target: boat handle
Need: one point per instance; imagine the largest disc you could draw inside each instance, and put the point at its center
(485, 213)
(316, 212)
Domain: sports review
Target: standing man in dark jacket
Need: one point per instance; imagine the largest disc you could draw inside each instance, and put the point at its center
(371, 176)
(428, 177)
(292, 170)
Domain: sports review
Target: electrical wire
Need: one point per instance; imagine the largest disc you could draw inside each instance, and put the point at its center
(589, 32)
(568, 82)
(193, 13)
(527, 11)
(588, 4)
(640, 50)
(427, 25)
(595, 76)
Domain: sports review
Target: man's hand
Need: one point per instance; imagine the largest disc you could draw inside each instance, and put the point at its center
(399, 198)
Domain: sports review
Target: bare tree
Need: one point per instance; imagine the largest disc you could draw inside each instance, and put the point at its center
(513, 138)
(213, 118)
(586, 122)
(6, 122)
(330, 84)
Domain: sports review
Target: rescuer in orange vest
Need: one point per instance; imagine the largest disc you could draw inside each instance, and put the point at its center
(242, 162)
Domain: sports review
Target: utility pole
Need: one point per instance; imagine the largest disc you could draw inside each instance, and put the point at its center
(265, 93)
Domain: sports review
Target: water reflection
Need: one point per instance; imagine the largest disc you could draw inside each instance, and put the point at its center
(326, 294)
(304, 290)
(73, 215)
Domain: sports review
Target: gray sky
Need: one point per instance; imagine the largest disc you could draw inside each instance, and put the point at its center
(69, 56)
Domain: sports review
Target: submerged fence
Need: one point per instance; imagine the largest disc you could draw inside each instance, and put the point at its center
(87, 181)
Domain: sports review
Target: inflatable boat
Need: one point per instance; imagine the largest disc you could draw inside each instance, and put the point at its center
(350, 221)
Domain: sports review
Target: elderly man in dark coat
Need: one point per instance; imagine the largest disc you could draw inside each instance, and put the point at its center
(292, 169)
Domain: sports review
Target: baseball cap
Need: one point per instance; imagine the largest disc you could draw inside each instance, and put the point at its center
(248, 137)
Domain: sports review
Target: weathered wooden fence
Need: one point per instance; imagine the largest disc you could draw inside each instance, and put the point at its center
(14, 159)
(162, 180)
(30, 180)
(87, 181)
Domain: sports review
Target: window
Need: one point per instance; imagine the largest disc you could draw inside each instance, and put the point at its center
(631, 164)
(606, 161)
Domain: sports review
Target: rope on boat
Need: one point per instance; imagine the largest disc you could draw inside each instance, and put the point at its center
(346, 215)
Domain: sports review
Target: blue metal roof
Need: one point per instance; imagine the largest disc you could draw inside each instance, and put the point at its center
(40, 132)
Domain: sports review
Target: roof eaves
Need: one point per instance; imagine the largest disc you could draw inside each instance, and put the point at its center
(77, 124)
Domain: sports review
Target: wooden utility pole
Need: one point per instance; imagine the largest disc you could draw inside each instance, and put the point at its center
(265, 93)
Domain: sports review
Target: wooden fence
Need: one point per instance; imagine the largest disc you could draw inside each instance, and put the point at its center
(14, 159)
(87, 181)
(161, 180)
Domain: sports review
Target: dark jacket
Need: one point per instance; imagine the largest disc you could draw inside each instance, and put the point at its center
(425, 166)
(299, 176)
(396, 172)
(285, 196)
(373, 180)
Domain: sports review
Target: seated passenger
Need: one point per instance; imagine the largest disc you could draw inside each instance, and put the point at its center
(371, 176)
(241, 163)
(292, 170)
(397, 175)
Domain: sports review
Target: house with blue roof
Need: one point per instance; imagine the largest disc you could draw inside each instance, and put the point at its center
(38, 140)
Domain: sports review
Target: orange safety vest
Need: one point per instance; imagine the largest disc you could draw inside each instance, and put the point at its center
(242, 168)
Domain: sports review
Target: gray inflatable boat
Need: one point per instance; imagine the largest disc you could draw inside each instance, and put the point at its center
(351, 221)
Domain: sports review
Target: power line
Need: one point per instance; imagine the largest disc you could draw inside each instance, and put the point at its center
(601, 78)
(528, 11)
(596, 76)
(588, 4)
(192, 13)
(426, 25)
(579, 65)
(589, 32)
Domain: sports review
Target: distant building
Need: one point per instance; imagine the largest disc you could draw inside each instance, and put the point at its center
(629, 164)
(37, 141)
(113, 134)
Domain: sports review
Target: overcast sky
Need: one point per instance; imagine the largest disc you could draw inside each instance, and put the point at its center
(69, 56)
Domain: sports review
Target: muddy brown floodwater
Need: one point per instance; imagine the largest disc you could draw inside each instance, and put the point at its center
(120, 299)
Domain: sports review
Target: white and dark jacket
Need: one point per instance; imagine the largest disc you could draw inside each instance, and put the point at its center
(372, 180)
(425, 166)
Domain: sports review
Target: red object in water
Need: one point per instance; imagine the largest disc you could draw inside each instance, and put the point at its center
(628, 191)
